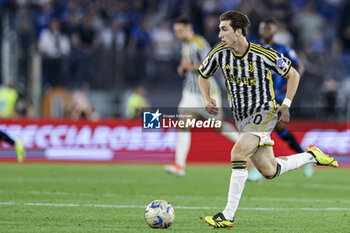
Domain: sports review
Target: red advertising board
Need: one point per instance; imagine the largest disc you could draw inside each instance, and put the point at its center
(119, 140)
(105, 140)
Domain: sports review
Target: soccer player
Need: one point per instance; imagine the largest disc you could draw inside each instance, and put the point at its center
(17, 144)
(267, 30)
(194, 49)
(246, 68)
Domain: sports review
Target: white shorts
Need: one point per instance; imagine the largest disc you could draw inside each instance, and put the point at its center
(260, 124)
(193, 103)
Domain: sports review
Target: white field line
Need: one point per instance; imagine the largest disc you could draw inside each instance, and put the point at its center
(48, 193)
(52, 204)
(176, 207)
(7, 203)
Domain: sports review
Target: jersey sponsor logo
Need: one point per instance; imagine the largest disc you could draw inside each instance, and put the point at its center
(249, 81)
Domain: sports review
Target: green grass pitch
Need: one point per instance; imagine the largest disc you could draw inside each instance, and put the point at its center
(112, 198)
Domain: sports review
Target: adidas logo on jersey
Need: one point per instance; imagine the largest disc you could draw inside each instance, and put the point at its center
(227, 67)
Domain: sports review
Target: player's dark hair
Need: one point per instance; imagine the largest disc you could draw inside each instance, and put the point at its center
(184, 19)
(237, 19)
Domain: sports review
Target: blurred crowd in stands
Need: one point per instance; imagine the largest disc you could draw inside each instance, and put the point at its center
(119, 44)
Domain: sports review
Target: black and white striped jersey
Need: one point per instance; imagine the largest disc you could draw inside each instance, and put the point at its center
(247, 77)
(195, 51)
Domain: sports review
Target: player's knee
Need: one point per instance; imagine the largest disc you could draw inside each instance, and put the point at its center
(269, 173)
(237, 156)
(238, 153)
(269, 177)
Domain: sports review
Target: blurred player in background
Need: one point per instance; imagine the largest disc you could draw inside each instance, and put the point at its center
(136, 102)
(8, 100)
(247, 68)
(194, 49)
(267, 29)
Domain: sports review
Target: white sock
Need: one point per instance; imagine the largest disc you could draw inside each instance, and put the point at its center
(182, 147)
(238, 179)
(229, 131)
(294, 161)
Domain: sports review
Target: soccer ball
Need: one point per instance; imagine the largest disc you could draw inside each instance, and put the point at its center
(159, 214)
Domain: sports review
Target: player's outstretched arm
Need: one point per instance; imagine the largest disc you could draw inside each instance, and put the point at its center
(210, 103)
(292, 86)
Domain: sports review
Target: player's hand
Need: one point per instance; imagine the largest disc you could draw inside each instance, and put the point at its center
(210, 106)
(283, 113)
(180, 70)
(186, 64)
